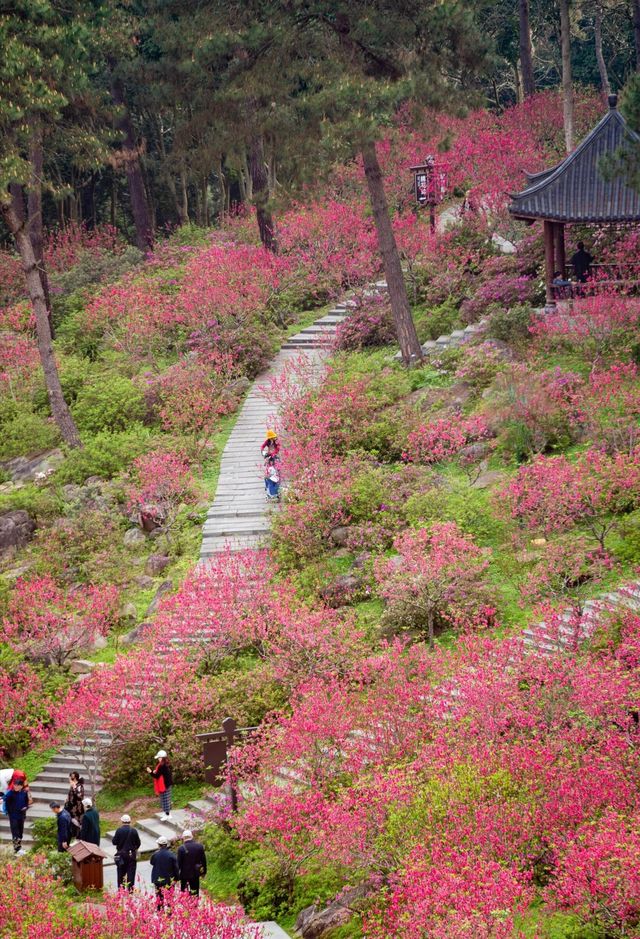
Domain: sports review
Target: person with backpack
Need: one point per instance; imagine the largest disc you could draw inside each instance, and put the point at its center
(17, 802)
(192, 863)
(90, 827)
(164, 870)
(162, 783)
(65, 826)
(127, 843)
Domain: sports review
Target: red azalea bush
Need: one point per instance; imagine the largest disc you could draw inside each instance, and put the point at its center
(48, 623)
(368, 324)
(554, 494)
(444, 438)
(162, 481)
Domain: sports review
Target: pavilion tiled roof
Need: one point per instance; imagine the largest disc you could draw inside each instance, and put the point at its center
(575, 190)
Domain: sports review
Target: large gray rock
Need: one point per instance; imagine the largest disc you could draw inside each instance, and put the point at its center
(16, 530)
(133, 635)
(315, 922)
(156, 563)
(133, 537)
(27, 469)
(164, 587)
(339, 535)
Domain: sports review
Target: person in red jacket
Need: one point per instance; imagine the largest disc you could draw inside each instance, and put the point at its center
(162, 783)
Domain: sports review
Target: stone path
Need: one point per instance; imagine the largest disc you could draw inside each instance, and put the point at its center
(239, 516)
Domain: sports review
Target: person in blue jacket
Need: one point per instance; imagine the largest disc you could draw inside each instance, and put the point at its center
(16, 803)
(65, 825)
(164, 870)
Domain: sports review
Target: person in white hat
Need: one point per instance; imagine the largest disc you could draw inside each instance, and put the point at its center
(90, 828)
(162, 783)
(164, 870)
(127, 843)
(192, 863)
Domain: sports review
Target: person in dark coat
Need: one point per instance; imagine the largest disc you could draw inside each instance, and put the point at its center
(164, 870)
(127, 842)
(581, 262)
(90, 827)
(192, 863)
(162, 783)
(74, 805)
(65, 827)
(16, 803)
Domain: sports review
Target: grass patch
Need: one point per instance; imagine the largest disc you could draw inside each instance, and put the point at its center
(33, 763)
(112, 800)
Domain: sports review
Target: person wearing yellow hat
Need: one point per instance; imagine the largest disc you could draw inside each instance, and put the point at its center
(271, 447)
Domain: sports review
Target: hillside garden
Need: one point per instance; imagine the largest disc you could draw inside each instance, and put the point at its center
(416, 767)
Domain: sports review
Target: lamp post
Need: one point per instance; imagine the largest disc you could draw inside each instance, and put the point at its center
(430, 180)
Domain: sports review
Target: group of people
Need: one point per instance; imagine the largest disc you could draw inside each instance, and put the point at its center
(270, 451)
(186, 866)
(581, 262)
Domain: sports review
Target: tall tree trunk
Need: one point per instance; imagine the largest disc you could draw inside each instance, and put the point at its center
(636, 31)
(168, 175)
(526, 57)
(59, 407)
(567, 83)
(602, 65)
(408, 341)
(184, 189)
(135, 180)
(34, 213)
(260, 185)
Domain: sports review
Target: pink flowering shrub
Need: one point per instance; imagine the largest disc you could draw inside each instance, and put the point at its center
(27, 705)
(608, 407)
(34, 903)
(554, 494)
(437, 577)
(599, 327)
(444, 438)
(47, 623)
(368, 324)
(162, 481)
(565, 566)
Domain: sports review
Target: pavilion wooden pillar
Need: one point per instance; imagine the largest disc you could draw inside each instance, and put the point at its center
(560, 255)
(549, 260)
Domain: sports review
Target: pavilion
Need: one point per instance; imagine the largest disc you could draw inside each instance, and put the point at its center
(575, 192)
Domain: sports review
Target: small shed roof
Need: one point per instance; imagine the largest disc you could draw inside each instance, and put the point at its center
(575, 190)
(81, 850)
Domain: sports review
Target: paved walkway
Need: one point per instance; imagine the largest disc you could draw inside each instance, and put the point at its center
(239, 516)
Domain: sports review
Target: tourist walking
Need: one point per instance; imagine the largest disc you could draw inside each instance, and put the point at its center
(74, 805)
(164, 870)
(272, 480)
(127, 843)
(192, 863)
(90, 826)
(65, 826)
(162, 783)
(16, 802)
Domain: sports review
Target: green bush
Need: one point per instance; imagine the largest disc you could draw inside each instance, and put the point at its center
(511, 326)
(111, 402)
(42, 503)
(27, 433)
(432, 322)
(75, 371)
(45, 833)
(90, 269)
(105, 455)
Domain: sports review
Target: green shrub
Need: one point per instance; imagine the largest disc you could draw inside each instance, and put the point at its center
(45, 833)
(105, 455)
(111, 402)
(92, 268)
(75, 371)
(27, 433)
(432, 322)
(42, 503)
(511, 326)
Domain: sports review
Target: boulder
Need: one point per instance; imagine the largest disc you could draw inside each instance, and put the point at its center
(133, 537)
(339, 536)
(144, 581)
(163, 588)
(16, 530)
(18, 571)
(490, 478)
(476, 452)
(129, 611)
(81, 666)
(151, 517)
(340, 591)
(27, 469)
(156, 563)
(133, 635)
(448, 401)
(315, 922)
(99, 643)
